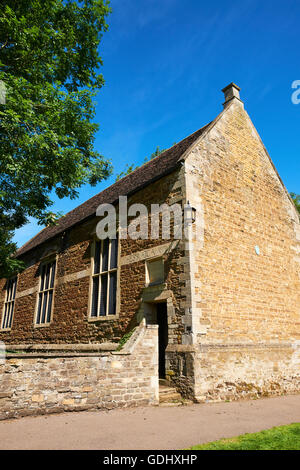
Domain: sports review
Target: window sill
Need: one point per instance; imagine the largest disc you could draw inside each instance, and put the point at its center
(104, 318)
(43, 325)
(5, 330)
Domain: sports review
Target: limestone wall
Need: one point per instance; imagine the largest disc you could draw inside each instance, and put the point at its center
(49, 382)
(240, 371)
(245, 268)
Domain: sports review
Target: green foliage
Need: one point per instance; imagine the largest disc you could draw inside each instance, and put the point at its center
(49, 64)
(278, 438)
(156, 153)
(296, 199)
(130, 168)
(125, 338)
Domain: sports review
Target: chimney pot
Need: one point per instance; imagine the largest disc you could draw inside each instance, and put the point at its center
(231, 92)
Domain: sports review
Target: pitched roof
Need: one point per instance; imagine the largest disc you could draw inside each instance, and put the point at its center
(142, 176)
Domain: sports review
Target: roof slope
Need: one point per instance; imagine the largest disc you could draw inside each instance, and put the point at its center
(142, 176)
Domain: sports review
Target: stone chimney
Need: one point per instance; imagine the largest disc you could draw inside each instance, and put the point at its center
(232, 93)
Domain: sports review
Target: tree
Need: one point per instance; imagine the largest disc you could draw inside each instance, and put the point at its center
(130, 168)
(156, 153)
(49, 65)
(296, 199)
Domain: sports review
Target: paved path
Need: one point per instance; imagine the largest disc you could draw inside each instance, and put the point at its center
(148, 428)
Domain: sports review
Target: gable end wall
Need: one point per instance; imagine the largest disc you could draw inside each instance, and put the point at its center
(246, 307)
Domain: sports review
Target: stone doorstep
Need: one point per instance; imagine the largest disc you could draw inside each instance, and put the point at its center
(169, 394)
(165, 382)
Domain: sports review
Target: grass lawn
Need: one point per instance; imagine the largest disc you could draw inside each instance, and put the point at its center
(279, 438)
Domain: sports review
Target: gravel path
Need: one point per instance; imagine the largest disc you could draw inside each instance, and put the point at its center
(148, 428)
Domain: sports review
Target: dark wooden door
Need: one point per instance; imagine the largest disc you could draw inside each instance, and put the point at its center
(162, 321)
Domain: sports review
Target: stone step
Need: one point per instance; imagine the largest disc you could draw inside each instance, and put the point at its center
(175, 397)
(168, 394)
(165, 390)
(164, 382)
(166, 404)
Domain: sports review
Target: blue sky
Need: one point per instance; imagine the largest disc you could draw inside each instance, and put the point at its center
(165, 62)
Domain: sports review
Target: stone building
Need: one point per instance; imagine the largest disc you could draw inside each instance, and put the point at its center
(226, 301)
